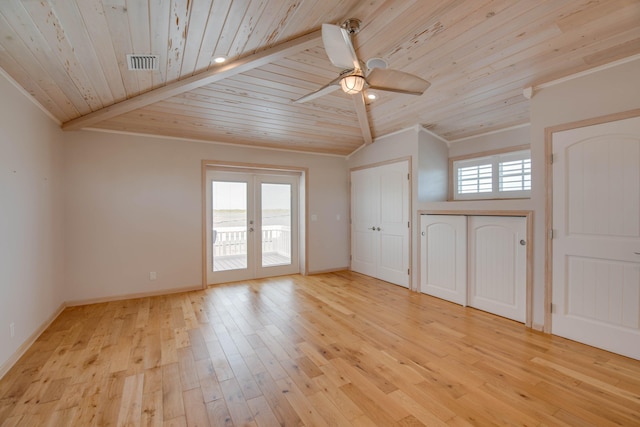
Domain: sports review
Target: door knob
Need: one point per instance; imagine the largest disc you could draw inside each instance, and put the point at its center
(373, 228)
(251, 229)
(378, 228)
(523, 242)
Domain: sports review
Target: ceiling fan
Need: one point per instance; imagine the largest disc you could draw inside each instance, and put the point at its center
(339, 48)
(352, 80)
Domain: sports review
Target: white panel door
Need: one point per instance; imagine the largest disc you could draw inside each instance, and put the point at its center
(443, 263)
(596, 243)
(365, 202)
(497, 265)
(393, 224)
(380, 222)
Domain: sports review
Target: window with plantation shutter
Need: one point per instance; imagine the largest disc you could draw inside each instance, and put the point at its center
(505, 175)
(474, 179)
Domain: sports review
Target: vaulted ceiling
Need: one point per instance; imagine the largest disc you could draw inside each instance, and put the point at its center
(479, 55)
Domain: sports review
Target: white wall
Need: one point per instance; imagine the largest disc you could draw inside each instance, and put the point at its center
(433, 168)
(31, 234)
(520, 135)
(133, 205)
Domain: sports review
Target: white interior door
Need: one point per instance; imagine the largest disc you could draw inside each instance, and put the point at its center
(393, 224)
(497, 265)
(365, 201)
(444, 257)
(380, 222)
(596, 239)
(252, 226)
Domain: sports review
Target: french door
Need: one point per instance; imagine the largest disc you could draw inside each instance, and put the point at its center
(252, 225)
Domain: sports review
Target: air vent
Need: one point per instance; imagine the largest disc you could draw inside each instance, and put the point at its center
(142, 62)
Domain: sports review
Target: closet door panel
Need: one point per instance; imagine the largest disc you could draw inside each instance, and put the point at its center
(497, 265)
(380, 222)
(444, 257)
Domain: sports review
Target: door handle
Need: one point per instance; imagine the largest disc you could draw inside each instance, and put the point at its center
(373, 228)
(378, 228)
(523, 242)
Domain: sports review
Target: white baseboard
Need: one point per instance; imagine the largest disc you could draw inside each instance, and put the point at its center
(331, 270)
(75, 303)
(537, 327)
(6, 366)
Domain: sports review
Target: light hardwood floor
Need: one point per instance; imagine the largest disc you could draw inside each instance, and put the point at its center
(336, 349)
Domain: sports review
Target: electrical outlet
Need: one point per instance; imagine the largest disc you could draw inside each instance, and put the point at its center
(12, 329)
(152, 275)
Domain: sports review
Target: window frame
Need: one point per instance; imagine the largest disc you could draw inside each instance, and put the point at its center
(495, 157)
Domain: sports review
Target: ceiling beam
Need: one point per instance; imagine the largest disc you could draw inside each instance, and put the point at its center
(202, 79)
(361, 111)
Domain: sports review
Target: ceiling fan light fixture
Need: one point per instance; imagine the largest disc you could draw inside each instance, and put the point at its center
(352, 84)
(377, 63)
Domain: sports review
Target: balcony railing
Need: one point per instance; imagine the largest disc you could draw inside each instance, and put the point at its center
(233, 240)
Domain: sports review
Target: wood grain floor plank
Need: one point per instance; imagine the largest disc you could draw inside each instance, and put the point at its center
(130, 411)
(172, 404)
(333, 349)
(262, 413)
(218, 414)
(236, 403)
(195, 408)
(151, 409)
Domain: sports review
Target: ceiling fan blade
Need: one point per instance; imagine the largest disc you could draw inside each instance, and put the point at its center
(396, 81)
(361, 111)
(337, 44)
(328, 88)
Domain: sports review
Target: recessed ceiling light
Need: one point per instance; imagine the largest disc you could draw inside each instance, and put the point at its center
(372, 96)
(219, 59)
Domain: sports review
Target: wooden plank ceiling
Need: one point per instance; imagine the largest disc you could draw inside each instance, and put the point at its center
(477, 54)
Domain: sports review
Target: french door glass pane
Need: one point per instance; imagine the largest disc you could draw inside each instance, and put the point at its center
(276, 224)
(229, 234)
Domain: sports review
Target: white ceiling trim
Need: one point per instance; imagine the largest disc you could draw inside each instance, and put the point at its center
(493, 132)
(539, 86)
